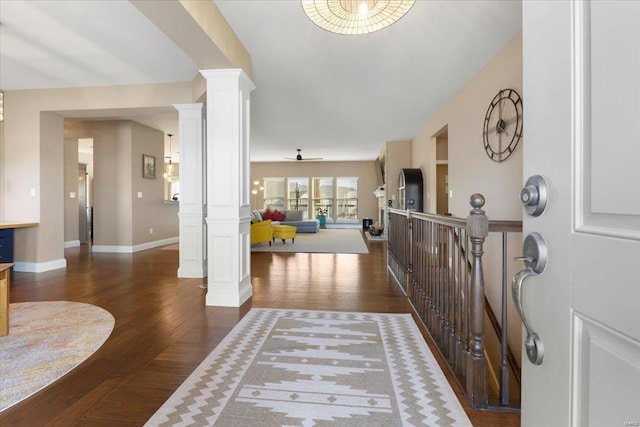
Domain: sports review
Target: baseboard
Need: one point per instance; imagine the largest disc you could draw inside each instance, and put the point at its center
(112, 249)
(40, 267)
(71, 244)
(343, 225)
(155, 244)
(133, 249)
(192, 273)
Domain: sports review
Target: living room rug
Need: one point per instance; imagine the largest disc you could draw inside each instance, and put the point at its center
(332, 241)
(46, 340)
(305, 368)
(380, 238)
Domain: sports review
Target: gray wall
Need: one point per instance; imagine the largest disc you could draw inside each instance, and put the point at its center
(120, 217)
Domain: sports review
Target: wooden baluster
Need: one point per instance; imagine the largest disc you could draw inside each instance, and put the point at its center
(430, 275)
(476, 381)
(419, 267)
(415, 261)
(465, 305)
(409, 248)
(436, 284)
(452, 296)
(504, 370)
(443, 288)
(436, 268)
(460, 274)
(447, 290)
(446, 302)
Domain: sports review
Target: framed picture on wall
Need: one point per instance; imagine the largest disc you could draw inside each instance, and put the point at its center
(148, 166)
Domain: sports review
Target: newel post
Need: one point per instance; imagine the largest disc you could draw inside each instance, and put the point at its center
(476, 364)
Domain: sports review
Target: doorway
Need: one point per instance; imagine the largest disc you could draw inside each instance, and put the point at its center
(85, 190)
(442, 172)
(83, 217)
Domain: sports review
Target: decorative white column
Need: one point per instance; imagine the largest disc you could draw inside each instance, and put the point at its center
(193, 191)
(228, 221)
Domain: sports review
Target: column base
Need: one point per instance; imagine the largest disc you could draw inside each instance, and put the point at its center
(219, 299)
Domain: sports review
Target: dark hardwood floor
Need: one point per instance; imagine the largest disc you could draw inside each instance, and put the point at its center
(163, 328)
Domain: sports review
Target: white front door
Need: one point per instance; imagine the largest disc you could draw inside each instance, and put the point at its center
(581, 93)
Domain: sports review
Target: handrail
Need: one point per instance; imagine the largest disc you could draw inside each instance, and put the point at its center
(438, 262)
(495, 226)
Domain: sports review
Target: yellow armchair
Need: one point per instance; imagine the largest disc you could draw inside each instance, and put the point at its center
(261, 232)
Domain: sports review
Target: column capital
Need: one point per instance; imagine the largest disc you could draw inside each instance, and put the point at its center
(196, 108)
(220, 79)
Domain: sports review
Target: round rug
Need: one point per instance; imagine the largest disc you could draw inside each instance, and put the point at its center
(46, 340)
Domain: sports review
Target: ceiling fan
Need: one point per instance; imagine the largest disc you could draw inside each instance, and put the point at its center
(299, 156)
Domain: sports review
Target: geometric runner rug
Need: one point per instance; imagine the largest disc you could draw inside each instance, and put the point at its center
(315, 368)
(45, 341)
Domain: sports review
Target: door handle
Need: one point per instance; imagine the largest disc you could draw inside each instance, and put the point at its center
(533, 343)
(535, 259)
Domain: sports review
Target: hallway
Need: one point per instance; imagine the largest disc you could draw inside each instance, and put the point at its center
(163, 330)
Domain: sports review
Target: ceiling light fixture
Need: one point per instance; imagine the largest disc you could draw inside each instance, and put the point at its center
(355, 16)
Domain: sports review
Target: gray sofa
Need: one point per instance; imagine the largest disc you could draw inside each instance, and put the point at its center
(293, 218)
(303, 226)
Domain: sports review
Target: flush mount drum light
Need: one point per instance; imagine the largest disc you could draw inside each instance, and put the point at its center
(355, 16)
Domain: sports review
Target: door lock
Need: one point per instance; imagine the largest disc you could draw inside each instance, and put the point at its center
(534, 195)
(534, 256)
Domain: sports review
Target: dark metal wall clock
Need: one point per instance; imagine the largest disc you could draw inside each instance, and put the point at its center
(503, 125)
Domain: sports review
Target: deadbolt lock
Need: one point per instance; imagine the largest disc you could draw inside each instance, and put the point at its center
(534, 195)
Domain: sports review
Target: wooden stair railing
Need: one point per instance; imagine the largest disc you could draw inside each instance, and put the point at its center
(437, 261)
(508, 357)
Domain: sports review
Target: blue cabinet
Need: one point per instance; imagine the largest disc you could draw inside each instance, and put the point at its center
(6, 245)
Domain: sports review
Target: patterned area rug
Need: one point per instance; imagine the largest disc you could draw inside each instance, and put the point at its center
(332, 241)
(46, 340)
(314, 368)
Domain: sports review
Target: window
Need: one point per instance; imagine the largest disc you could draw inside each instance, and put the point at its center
(298, 195)
(336, 197)
(274, 193)
(323, 196)
(347, 199)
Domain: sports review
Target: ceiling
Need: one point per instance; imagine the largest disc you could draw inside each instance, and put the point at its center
(334, 96)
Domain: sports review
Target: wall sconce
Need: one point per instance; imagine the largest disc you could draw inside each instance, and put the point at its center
(256, 187)
(1, 106)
